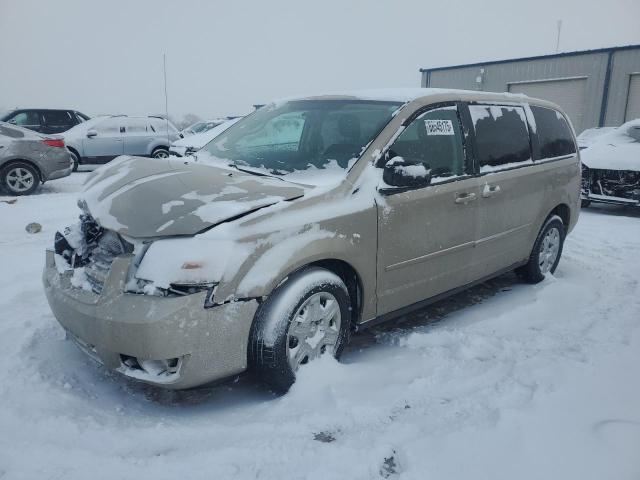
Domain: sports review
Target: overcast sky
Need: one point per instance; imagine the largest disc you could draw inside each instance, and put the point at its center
(224, 56)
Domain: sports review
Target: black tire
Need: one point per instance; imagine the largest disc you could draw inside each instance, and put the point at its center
(269, 339)
(75, 159)
(160, 152)
(585, 203)
(8, 178)
(532, 271)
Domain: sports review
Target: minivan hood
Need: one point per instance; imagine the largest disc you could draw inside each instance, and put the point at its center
(146, 197)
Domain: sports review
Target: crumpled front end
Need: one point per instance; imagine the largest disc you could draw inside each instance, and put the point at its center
(618, 187)
(175, 339)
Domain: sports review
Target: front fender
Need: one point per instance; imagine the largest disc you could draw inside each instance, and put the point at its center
(351, 240)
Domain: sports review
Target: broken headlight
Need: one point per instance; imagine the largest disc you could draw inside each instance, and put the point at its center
(181, 289)
(191, 288)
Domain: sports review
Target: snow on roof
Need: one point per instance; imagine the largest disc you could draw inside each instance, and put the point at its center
(400, 94)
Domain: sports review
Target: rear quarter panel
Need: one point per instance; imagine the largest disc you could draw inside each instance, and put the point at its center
(560, 180)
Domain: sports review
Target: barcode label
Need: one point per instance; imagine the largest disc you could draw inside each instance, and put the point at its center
(439, 127)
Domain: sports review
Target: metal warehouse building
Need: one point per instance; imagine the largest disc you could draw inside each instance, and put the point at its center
(594, 87)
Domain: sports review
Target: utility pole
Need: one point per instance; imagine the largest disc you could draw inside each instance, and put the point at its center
(166, 101)
(558, 36)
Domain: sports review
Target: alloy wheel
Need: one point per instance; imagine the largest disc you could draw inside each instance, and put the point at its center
(314, 329)
(549, 248)
(19, 179)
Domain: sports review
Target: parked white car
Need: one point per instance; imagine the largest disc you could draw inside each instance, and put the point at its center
(590, 136)
(611, 167)
(101, 139)
(202, 126)
(193, 143)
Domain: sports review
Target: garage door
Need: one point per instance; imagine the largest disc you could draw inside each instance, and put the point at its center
(633, 100)
(568, 93)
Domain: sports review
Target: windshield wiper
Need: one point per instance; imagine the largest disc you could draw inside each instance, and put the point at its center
(254, 172)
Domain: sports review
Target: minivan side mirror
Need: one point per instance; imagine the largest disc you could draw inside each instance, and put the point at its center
(92, 133)
(404, 172)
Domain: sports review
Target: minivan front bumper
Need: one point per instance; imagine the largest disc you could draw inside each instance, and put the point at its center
(173, 342)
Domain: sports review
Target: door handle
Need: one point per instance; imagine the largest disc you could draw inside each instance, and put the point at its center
(465, 197)
(490, 190)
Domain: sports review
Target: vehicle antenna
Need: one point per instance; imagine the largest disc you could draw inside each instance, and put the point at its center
(166, 101)
(558, 36)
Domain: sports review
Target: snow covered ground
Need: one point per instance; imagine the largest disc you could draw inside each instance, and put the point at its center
(505, 381)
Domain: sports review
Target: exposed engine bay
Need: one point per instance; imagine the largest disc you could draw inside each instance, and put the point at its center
(86, 244)
(91, 249)
(623, 184)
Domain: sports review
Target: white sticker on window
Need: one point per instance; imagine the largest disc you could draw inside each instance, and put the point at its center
(439, 127)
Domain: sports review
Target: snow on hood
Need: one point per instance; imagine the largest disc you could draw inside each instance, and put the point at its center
(618, 149)
(199, 140)
(591, 135)
(143, 197)
(612, 157)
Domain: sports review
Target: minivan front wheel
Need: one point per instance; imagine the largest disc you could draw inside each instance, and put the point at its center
(304, 318)
(546, 251)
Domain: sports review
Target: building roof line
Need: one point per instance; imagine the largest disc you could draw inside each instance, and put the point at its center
(537, 57)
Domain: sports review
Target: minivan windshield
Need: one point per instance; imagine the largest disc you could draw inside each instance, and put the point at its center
(301, 135)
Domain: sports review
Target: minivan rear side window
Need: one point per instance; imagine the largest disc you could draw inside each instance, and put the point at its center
(502, 136)
(554, 135)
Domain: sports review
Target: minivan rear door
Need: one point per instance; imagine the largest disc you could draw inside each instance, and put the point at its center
(426, 235)
(511, 191)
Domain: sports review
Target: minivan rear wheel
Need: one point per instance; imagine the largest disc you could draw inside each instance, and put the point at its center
(304, 318)
(546, 251)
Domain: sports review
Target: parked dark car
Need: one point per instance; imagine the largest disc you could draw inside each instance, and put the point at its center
(44, 120)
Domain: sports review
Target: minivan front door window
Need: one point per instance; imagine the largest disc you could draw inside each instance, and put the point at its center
(433, 140)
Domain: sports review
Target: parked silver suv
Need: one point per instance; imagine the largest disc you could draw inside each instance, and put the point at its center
(305, 221)
(101, 139)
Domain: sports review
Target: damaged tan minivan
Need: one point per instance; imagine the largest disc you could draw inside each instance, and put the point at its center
(307, 220)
